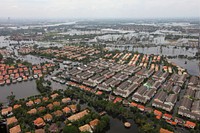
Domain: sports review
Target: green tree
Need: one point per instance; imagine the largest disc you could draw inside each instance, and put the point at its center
(70, 129)
(1, 56)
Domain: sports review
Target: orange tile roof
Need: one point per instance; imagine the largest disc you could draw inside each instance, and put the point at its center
(66, 110)
(162, 130)
(29, 103)
(99, 93)
(158, 117)
(118, 99)
(53, 96)
(41, 109)
(132, 104)
(39, 122)
(45, 99)
(37, 101)
(66, 100)
(48, 117)
(32, 111)
(94, 122)
(58, 113)
(167, 115)
(7, 110)
(190, 124)
(56, 103)
(16, 106)
(141, 107)
(156, 112)
(16, 129)
(50, 106)
(73, 107)
(11, 120)
(85, 128)
(78, 116)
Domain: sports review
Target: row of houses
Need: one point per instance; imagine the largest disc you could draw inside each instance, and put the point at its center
(167, 117)
(190, 103)
(146, 61)
(71, 52)
(19, 72)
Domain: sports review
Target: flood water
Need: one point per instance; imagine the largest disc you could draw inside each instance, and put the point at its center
(20, 90)
(191, 65)
(158, 50)
(117, 126)
(34, 59)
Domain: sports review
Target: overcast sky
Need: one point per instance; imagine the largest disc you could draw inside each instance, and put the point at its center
(99, 8)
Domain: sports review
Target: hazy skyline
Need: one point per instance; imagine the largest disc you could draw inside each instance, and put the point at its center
(99, 8)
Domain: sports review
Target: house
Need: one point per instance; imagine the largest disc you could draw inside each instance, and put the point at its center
(162, 130)
(66, 110)
(181, 80)
(53, 96)
(190, 124)
(73, 108)
(45, 99)
(66, 100)
(15, 129)
(196, 107)
(37, 101)
(167, 116)
(48, 117)
(85, 128)
(50, 106)
(160, 97)
(132, 104)
(157, 113)
(171, 99)
(94, 123)
(179, 121)
(29, 103)
(11, 120)
(56, 103)
(117, 99)
(140, 107)
(40, 109)
(16, 106)
(6, 111)
(39, 122)
(186, 103)
(32, 111)
(78, 116)
(58, 113)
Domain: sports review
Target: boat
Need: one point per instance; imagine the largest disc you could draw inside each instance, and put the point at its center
(127, 124)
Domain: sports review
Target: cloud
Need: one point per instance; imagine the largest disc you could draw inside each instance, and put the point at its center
(99, 8)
